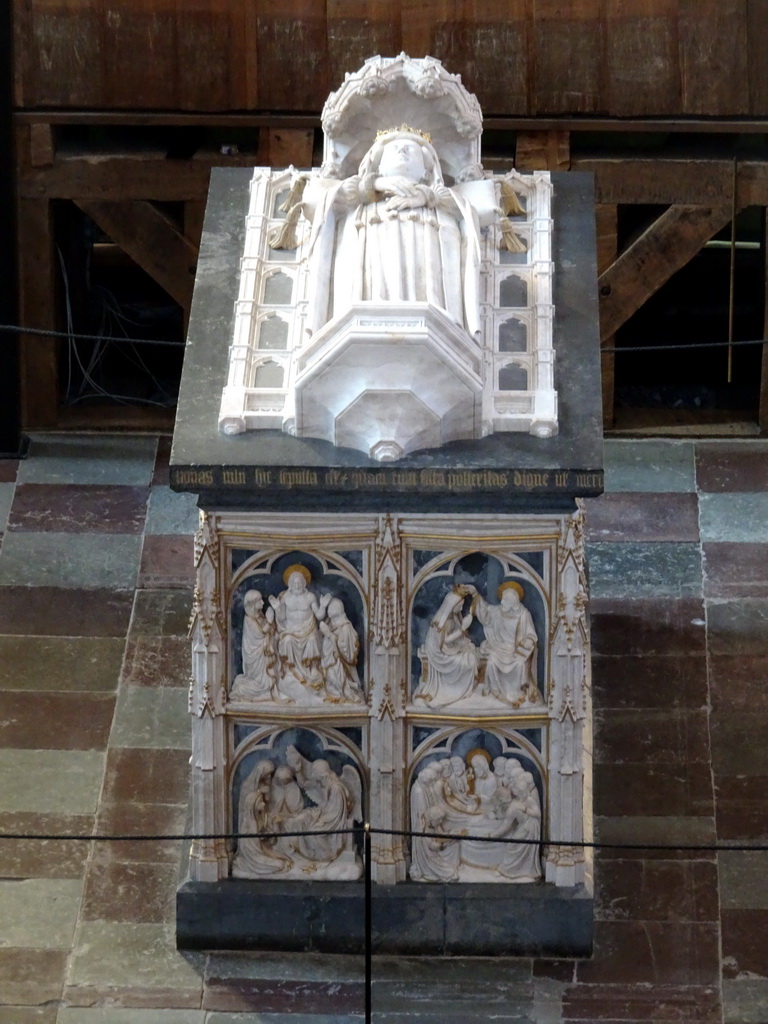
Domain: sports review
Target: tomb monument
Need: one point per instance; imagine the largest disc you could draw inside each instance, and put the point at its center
(390, 408)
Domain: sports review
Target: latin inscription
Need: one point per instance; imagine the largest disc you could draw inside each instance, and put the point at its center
(421, 480)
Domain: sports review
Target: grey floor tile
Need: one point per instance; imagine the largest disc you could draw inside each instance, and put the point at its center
(745, 1001)
(70, 560)
(50, 781)
(39, 913)
(6, 500)
(114, 955)
(649, 466)
(742, 880)
(117, 1015)
(215, 1017)
(172, 513)
(734, 517)
(89, 459)
(151, 717)
(644, 570)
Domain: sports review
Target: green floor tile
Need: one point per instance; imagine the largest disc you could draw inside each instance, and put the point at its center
(70, 560)
(151, 717)
(50, 781)
(60, 663)
(85, 459)
(39, 913)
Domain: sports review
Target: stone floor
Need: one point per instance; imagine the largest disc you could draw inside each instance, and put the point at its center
(95, 585)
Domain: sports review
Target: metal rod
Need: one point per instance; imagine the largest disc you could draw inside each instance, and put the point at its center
(732, 274)
(368, 972)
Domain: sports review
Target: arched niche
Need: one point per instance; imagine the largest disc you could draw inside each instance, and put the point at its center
(513, 377)
(273, 333)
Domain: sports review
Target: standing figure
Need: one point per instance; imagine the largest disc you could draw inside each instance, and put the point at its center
(393, 232)
(297, 613)
(510, 645)
(451, 656)
(341, 647)
(258, 680)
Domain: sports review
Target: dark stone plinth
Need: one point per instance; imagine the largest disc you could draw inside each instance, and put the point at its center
(266, 470)
(410, 918)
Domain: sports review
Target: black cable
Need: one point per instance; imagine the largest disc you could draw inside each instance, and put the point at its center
(579, 843)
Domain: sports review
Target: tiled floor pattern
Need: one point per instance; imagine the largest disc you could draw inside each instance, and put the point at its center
(95, 589)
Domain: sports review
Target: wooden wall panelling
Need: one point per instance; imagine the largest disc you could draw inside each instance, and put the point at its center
(487, 42)
(757, 41)
(569, 45)
(214, 48)
(151, 240)
(117, 177)
(357, 30)
(642, 57)
(63, 60)
(37, 291)
(140, 50)
(606, 224)
(292, 58)
(664, 247)
(713, 57)
(658, 181)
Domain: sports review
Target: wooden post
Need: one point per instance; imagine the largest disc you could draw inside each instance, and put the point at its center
(606, 218)
(37, 290)
(762, 411)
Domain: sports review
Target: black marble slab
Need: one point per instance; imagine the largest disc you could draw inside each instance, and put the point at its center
(407, 919)
(506, 472)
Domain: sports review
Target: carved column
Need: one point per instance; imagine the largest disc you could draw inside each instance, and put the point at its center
(387, 635)
(568, 708)
(207, 700)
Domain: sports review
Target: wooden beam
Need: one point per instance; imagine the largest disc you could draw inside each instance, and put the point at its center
(37, 289)
(543, 151)
(762, 409)
(152, 240)
(665, 246)
(606, 224)
(662, 181)
(290, 146)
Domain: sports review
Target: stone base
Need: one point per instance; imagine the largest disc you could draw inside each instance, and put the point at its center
(407, 919)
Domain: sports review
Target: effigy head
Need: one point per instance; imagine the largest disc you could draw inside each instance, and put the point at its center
(406, 152)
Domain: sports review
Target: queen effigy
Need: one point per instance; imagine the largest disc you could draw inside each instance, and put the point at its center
(399, 273)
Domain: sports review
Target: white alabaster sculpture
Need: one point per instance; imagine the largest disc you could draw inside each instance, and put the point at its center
(299, 796)
(302, 650)
(398, 297)
(500, 670)
(387, 671)
(463, 805)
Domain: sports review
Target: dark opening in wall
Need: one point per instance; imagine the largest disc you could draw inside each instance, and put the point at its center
(694, 307)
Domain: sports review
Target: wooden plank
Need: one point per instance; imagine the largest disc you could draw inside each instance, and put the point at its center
(358, 29)
(487, 42)
(757, 55)
(543, 151)
(713, 57)
(762, 412)
(151, 240)
(642, 57)
(64, 62)
(37, 289)
(42, 148)
(140, 39)
(663, 248)
(118, 177)
(290, 146)
(663, 181)
(210, 61)
(292, 55)
(569, 45)
(607, 240)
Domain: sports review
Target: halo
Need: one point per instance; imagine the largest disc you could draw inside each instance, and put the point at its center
(511, 585)
(301, 569)
(478, 750)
